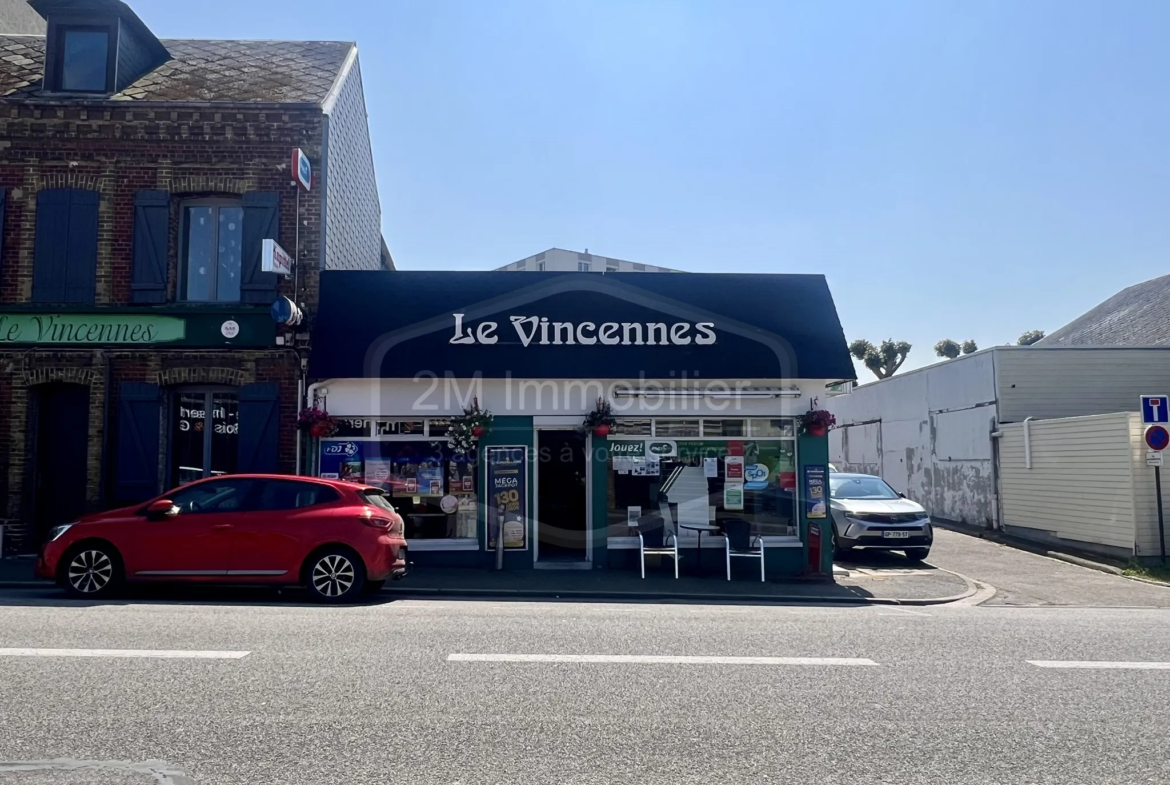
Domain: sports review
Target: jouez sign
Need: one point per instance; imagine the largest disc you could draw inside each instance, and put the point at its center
(539, 331)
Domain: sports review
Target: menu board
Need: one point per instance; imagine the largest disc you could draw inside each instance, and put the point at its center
(507, 497)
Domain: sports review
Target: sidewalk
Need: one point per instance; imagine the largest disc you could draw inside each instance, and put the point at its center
(919, 585)
(18, 570)
(923, 586)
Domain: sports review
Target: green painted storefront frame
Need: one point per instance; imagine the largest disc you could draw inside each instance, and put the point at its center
(782, 562)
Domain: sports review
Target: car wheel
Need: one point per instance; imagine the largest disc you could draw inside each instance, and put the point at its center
(917, 554)
(336, 575)
(373, 587)
(92, 571)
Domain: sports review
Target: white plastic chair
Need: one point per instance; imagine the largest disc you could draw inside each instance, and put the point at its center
(739, 541)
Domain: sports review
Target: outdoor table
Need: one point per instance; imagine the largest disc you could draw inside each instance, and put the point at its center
(710, 528)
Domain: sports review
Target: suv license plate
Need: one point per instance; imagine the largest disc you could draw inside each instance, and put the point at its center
(896, 535)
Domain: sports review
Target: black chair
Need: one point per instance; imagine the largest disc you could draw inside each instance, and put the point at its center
(653, 539)
(741, 542)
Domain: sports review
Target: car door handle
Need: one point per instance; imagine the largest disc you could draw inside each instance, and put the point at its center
(222, 526)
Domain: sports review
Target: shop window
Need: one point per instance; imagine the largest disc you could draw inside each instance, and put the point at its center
(724, 428)
(211, 251)
(583, 267)
(353, 427)
(205, 434)
(611, 266)
(672, 428)
(632, 427)
(432, 488)
(705, 482)
(438, 427)
(399, 428)
(783, 427)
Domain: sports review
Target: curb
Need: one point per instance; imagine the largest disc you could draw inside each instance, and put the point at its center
(773, 599)
(26, 584)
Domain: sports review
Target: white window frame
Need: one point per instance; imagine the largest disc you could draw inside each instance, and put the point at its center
(184, 249)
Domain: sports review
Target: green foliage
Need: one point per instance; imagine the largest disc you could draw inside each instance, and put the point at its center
(1030, 337)
(969, 347)
(883, 361)
(948, 349)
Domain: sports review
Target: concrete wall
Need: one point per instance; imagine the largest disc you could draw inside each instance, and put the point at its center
(927, 432)
(1079, 490)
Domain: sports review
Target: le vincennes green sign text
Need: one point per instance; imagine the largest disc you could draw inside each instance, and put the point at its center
(90, 328)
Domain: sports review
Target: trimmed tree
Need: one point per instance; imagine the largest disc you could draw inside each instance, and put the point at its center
(883, 361)
(1030, 337)
(952, 349)
(948, 349)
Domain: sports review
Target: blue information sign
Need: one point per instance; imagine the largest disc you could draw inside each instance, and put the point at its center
(1155, 409)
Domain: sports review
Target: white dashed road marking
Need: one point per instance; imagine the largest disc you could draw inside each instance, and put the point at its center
(657, 659)
(1102, 665)
(158, 653)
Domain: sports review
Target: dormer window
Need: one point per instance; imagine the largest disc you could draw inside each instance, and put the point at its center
(84, 65)
(95, 48)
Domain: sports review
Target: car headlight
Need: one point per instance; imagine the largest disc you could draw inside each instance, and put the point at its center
(56, 532)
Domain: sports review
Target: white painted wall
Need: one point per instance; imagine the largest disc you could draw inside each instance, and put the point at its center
(1079, 490)
(927, 432)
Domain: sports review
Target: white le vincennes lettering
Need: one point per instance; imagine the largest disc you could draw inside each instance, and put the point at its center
(540, 331)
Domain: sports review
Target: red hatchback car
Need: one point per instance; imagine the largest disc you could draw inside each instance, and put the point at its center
(338, 539)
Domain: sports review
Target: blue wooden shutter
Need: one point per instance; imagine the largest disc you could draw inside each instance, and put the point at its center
(259, 428)
(152, 236)
(65, 263)
(261, 222)
(139, 418)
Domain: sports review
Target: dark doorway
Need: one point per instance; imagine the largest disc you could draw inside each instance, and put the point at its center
(561, 496)
(62, 460)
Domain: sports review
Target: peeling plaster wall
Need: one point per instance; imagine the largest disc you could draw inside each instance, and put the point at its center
(928, 433)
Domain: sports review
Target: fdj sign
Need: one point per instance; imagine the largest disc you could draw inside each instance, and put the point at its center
(662, 449)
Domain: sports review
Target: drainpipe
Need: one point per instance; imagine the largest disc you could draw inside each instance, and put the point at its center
(1027, 442)
(105, 472)
(300, 396)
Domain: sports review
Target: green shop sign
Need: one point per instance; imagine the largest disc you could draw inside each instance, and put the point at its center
(90, 328)
(105, 328)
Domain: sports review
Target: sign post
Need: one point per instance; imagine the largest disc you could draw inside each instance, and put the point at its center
(1155, 410)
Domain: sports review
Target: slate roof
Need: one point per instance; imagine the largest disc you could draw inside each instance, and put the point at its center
(239, 72)
(1137, 316)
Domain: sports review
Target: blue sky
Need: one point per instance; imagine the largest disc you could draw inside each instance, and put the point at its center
(956, 169)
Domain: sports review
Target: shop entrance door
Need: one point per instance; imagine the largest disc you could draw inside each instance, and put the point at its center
(562, 532)
(62, 446)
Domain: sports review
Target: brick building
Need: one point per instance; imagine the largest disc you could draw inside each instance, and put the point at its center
(139, 179)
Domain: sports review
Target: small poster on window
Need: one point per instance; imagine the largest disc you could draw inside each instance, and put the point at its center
(469, 483)
(633, 513)
(733, 497)
(377, 471)
(710, 467)
(733, 466)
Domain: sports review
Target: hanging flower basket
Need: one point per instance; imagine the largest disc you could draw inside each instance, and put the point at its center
(317, 422)
(464, 430)
(817, 422)
(601, 419)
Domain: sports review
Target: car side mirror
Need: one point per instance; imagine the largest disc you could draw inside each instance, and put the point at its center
(163, 508)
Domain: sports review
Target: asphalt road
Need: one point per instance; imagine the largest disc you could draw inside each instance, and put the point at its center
(370, 694)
